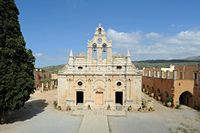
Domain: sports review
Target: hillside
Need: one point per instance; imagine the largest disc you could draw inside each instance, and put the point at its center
(53, 69)
(193, 58)
(140, 64)
(163, 63)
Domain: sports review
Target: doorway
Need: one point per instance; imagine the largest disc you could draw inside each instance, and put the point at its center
(99, 98)
(186, 98)
(119, 97)
(79, 97)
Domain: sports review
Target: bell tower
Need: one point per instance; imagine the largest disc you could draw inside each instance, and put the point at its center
(99, 48)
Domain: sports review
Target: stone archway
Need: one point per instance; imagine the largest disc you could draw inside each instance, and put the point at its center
(186, 99)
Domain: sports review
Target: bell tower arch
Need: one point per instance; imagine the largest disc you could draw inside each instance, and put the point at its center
(99, 48)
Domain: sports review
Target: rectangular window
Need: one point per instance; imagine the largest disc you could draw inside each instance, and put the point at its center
(80, 67)
(195, 76)
(119, 67)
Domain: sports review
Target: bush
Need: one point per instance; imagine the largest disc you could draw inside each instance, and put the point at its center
(55, 103)
(169, 99)
(178, 106)
(129, 108)
(59, 108)
(68, 108)
(89, 107)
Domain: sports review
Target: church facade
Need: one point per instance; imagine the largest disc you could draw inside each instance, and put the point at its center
(99, 79)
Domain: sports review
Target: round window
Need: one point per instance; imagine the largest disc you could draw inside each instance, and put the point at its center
(119, 83)
(80, 83)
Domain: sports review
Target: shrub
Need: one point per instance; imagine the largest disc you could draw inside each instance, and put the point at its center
(169, 99)
(129, 108)
(55, 103)
(89, 107)
(178, 106)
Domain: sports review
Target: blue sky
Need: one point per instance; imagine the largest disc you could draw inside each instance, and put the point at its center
(151, 29)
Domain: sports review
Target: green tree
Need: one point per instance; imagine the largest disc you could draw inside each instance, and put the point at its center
(16, 62)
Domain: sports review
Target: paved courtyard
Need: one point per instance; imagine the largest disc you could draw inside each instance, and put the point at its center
(39, 116)
(162, 120)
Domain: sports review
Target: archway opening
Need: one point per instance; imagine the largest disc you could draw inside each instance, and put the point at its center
(186, 98)
(119, 97)
(79, 97)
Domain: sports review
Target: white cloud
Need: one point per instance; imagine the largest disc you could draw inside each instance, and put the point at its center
(123, 37)
(152, 35)
(37, 55)
(153, 45)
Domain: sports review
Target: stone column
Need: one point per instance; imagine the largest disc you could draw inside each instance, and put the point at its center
(99, 55)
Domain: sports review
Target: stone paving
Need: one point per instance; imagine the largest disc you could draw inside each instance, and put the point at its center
(96, 121)
(39, 116)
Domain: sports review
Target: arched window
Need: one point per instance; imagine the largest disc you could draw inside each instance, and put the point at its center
(104, 50)
(99, 30)
(94, 49)
(104, 46)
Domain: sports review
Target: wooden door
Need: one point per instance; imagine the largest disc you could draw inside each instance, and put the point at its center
(99, 98)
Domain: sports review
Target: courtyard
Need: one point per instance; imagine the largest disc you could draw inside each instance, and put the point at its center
(39, 116)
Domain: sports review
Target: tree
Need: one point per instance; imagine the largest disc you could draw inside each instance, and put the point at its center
(16, 62)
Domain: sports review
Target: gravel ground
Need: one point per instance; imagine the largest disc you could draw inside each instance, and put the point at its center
(39, 116)
(162, 120)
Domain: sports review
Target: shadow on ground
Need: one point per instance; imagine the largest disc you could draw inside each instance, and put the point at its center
(31, 109)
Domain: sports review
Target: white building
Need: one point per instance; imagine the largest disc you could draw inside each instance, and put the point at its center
(100, 78)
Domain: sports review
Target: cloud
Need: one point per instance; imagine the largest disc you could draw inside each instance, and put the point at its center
(123, 37)
(59, 56)
(37, 55)
(152, 35)
(153, 45)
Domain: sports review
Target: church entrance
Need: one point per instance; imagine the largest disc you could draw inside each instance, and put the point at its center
(119, 97)
(99, 98)
(79, 97)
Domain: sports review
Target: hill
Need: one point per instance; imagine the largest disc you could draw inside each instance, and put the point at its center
(53, 69)
(193, 58)
(140, 64)
(163, 63)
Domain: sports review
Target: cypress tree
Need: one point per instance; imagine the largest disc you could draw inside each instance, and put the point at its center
(16, 62)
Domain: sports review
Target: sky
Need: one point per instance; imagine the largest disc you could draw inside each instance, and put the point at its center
(150, 29)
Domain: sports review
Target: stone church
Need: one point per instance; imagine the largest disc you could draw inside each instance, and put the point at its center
(99, 79)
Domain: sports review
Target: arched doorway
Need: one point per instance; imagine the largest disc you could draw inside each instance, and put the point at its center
(186, 98)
